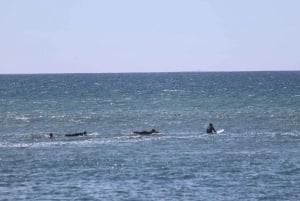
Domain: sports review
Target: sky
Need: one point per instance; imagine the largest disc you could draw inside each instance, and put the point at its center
(101, 36)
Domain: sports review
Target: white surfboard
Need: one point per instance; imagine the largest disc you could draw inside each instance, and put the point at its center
(220, 131)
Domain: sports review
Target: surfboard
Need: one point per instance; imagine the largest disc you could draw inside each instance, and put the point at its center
(141, 134)
(220, 131)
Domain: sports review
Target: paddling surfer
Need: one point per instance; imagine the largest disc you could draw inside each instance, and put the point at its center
(146, 132)
(76, 134)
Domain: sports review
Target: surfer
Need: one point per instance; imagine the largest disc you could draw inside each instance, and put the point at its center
(146, 132)
(210, 129)
(50, 135)
(76, 134)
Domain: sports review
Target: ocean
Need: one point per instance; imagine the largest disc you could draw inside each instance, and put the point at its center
(255, 158)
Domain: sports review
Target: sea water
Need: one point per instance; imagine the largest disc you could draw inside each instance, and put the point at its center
(255, 158)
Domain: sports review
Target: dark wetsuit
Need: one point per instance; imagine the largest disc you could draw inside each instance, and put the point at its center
(210, 129)
(75, 134)
(145, 132)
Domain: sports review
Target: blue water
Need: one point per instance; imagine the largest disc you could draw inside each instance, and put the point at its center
(256, 158)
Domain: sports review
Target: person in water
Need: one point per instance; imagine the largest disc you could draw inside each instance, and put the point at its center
(76, 134)
(146, 132)
(210, 129)
(50, 135)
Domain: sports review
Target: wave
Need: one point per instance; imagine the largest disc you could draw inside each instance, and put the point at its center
(102, 138)
(91, 139)
(173, 90)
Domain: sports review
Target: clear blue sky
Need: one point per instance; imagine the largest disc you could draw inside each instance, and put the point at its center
(64, 36)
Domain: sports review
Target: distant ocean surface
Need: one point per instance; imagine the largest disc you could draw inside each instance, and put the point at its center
(257, 157)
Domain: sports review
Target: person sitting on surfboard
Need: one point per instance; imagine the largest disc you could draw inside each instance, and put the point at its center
(210, 129)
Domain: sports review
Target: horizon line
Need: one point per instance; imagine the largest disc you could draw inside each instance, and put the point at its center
(144, 72)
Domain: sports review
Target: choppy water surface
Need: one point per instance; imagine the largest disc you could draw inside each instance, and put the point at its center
(256, 158)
